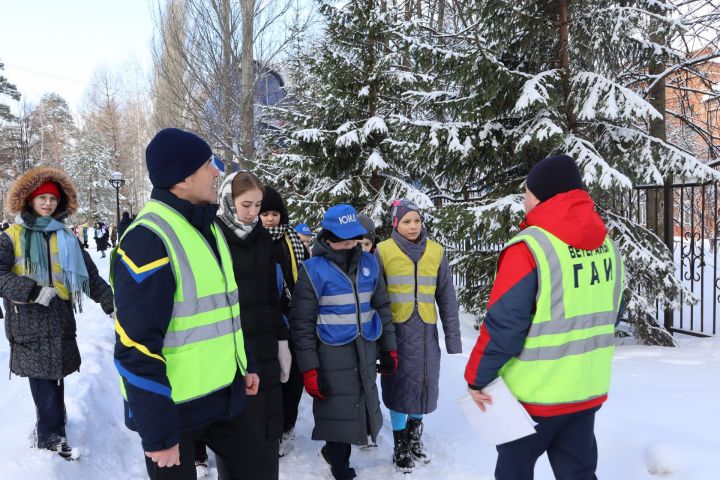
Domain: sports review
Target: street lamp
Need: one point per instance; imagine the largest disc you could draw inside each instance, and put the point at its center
(130, 204)
(117, 181)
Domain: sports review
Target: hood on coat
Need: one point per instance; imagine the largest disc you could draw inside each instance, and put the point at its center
(571, 217)
(16, 199)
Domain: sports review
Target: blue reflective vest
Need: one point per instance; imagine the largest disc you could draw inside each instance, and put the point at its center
(345, 309)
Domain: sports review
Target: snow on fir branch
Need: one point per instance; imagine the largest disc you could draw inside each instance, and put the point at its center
(541, 127)
(596, 96)
(309, 135)
(375, 162)
(374, 126)
(596, 170)
(535, 90)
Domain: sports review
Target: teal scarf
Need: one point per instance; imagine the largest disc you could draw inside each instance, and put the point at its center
(74, 273)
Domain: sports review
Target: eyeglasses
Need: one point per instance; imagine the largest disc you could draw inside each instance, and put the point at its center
(49, 200)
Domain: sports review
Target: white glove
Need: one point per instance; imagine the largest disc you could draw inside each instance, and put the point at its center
(285, 359)
(46, 294)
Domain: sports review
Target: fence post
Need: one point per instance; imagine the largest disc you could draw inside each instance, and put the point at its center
(668, 237)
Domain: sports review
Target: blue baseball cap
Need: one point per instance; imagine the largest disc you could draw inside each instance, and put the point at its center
(342, 221)
(218, 163)
(304, 229)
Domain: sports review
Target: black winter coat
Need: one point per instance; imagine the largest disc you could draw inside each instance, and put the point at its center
(351, 410)
(42, 339)
(262, 322)
(102, 241)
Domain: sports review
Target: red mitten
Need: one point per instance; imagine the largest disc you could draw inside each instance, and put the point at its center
(311, 380)
(388, 363)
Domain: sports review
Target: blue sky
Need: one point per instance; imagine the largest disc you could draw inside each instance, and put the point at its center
(54, 45)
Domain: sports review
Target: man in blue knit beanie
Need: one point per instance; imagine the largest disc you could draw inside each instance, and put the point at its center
(179, 348)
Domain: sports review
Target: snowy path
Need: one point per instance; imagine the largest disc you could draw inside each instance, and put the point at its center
(664, 412)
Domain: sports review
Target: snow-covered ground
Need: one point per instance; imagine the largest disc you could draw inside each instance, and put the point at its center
(663, 418)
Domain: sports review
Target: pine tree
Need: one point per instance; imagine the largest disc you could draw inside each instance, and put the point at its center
(54, 129)
(549, 80)
(90, 166)
(7, 89)
(341, 143)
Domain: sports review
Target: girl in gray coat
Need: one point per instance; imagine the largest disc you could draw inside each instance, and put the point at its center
(418, 276)
(340, 325)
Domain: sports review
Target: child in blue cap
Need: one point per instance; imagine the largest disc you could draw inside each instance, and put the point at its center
(340, 319)
(305, 234)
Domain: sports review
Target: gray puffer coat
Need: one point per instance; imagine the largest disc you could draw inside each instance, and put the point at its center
(415, 386)
(42, 339)
(351, 410)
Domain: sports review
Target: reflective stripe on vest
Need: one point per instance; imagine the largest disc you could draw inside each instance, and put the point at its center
(568, 351)
(203, 346)
(15, 231)
(345, 308)
(411, 284)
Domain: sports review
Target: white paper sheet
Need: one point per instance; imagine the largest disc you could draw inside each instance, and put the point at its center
(504, 420)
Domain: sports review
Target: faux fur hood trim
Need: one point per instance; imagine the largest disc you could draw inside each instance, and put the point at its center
(32, 179)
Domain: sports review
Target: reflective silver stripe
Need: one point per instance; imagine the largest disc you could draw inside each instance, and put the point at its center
(557, 303)
(559, 323)
(198, 334)
(565, 325)
(337, 300)
(402, 297)
(426, 298)
(427, 281)
(410, 280)
(344, 319)
(575, 347)
(205, 304)
(335, 319)
(400, 279)
(618, 278)
(365, 297)
(410, 297)
(189, 289)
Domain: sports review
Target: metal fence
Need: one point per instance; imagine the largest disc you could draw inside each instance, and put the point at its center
(689, 225)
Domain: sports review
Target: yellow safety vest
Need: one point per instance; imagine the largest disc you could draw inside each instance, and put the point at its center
(411, 284)
(568, 351)
(204, 347)
(14, 231)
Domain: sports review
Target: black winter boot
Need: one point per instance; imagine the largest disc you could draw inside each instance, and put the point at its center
(414, 433)
(401, 456)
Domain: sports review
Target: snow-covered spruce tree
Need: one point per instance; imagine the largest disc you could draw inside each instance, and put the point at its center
(90, 166)
(549, 82)
(339, 144)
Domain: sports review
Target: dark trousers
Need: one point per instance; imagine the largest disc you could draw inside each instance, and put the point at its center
(228, 439)
(338, 456)
(260, 454)
(292, 393)
(49, 397)
(569, 441)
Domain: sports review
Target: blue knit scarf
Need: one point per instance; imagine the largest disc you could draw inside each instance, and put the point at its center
(34, 247)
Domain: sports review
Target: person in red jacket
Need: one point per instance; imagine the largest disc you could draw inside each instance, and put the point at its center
(556, 202)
